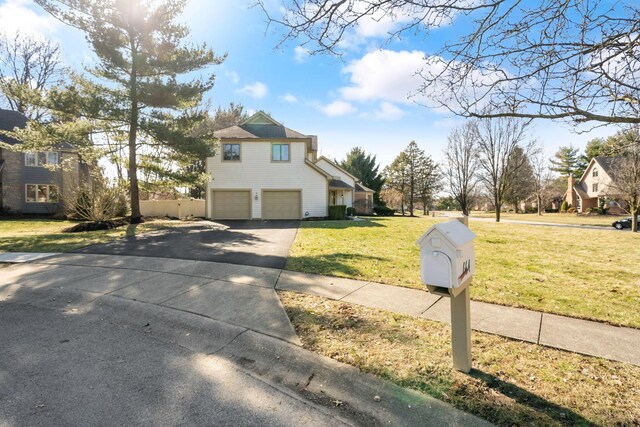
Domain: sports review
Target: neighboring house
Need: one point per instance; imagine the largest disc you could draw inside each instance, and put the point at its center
(594, 187)
(34, 183)
(264, 170)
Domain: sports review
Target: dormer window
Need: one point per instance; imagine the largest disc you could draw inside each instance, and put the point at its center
(41, 158)
(594, 173)
(231, 152)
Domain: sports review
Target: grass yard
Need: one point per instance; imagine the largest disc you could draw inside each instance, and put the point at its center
(591, 274)
(555, 218)
(43, 235)
(512, 383)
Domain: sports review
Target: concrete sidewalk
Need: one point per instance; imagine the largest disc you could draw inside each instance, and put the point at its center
(226, 314)
(202, 287)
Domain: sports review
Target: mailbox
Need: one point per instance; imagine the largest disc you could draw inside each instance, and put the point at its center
(447, 258)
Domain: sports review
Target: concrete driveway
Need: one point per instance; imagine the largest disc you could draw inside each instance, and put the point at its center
(256, 243)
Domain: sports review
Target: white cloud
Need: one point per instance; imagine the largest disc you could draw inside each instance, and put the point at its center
(17, 16)
(338, 108)
(255, 90)
(300, 54)
(290, 98)
(384, 75)
(388, 111)
(233, 76)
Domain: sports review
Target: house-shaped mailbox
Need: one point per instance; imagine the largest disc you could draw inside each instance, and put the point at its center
(447, 258)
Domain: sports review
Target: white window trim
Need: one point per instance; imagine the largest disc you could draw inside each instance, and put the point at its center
(36, 201)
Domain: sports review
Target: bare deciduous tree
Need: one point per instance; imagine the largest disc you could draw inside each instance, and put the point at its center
(462, 164)
(542, 180)
(27, 67)
(498, 140)
(626, 174)
(575, 59)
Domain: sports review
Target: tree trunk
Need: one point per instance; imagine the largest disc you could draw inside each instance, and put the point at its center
(539, 202)
(134, 192)
(498, 207)
(634, 217)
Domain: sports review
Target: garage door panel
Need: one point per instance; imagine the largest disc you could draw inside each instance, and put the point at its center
(231, 204)
(281, 205)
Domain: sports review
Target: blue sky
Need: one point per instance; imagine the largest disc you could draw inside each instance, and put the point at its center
(357, 100)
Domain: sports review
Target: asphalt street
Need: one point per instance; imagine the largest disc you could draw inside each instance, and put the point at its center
(72, 369)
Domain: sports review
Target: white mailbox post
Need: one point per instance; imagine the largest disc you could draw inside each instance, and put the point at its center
(447, 264)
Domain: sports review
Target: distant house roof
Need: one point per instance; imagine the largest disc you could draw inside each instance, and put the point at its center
(581, 193)
(8, 121)
(260, 126)
(362, 189)
(609, 164)
(339, 184)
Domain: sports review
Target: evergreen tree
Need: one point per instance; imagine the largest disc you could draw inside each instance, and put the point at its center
(138, 86)
(567, 162)
(522, 181)
(363, 166)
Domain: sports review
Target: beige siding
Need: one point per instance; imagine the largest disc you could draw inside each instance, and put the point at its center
(602, 180)
(344, 197)
(281, 204)
(257, 172)
(231, 204)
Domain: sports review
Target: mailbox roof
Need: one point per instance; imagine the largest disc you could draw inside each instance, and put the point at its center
(454, 231)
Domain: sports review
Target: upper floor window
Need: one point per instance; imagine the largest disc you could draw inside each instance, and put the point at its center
(231, 152)
(41, 193)
(594, 187)
(41, 158)
(280, 152)
(595, 173)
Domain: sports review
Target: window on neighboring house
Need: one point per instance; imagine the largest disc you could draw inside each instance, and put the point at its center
(594, 187)
(41, 193)
(41, 158)
(280, 152)
(595, 173)
(231, 152)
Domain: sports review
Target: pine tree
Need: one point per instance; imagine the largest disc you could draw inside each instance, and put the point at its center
(136, 87)
(363, 166)
(567, 162)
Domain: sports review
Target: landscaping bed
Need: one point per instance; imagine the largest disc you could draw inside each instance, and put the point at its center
(512, 383)
(585, 273)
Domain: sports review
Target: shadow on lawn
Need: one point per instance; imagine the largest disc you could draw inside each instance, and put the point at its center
(472, 398)
(334, 264)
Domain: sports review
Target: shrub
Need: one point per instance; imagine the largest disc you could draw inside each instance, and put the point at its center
(351, 211)
(571, 210)
(384, 211)
(337, 211)
(564, 206)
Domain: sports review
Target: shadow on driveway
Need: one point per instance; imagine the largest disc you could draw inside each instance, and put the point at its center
(256, 243)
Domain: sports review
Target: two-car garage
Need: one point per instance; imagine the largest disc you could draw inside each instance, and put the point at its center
(237, 204)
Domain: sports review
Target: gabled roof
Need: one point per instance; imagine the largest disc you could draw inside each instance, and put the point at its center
(337, 167)
(339, 184)
(259, 126)
(362, 189)
(580, 192)
(8, 121)
(455, 232)
(607, 163)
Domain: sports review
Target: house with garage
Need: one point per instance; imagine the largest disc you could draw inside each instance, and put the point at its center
(594, 187)
(264, 170)
(34, 183)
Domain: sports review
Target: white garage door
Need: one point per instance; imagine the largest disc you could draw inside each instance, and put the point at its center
(281, 205)
(231, 204)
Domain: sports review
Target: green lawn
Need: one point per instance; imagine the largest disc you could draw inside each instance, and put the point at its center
(40, 235)
(511, 384)
(592, 274)
(556, 218)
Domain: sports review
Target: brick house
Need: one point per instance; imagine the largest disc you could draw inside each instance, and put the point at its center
(34, 183)
(594, 187)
